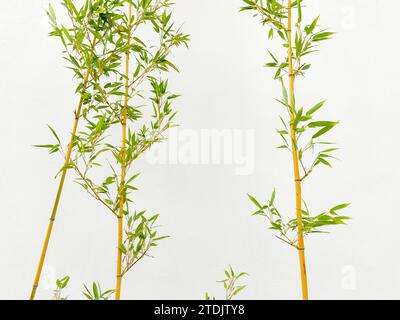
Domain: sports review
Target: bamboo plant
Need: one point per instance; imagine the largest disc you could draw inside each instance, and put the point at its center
(93, 293)
(61, 284)
(302, 134)
(127, 77)
(84, 37)
(230, 283)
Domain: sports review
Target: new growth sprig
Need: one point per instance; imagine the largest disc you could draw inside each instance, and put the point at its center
(124, 87)
(93, 293)
(61, 284)
(302, 134)
(288, 229)
(230, 283)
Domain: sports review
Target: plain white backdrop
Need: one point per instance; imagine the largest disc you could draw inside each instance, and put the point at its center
(204, 207)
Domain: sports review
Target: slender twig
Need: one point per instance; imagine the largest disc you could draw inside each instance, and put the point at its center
(129, 266)
(90, 186)
(289, 242)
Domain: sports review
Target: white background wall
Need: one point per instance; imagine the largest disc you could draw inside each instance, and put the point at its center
(204, 207)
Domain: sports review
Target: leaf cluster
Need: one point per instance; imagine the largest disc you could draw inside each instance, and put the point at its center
(96, 293)
(230, 284)
(307, 37)
(303, 135)
(287, 230)
(141, 235)
(61, 284)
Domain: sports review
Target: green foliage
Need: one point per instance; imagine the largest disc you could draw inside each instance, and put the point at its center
(311, 224)
(273, 14)
(230, 284)
(95, 42)
(309, 145)
(61, 284)
(95, 293)
(141, 236)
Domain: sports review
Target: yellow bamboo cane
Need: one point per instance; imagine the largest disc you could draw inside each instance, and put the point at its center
(58, 195)
(123, 166)
(295, 155)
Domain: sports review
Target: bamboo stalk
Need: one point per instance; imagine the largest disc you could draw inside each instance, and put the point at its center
(295, 155)
(58, 195)
(123, 165)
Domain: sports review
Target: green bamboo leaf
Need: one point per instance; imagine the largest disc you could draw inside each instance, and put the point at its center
(52, 14)
(54, 133)
(272, 199)
(316, 108)
(284, 93)
(123, 248)
(317, 124)
(255, 201)
(321, 36)
(309, 29)
(67, 34)
(95, 291)
(340, 207)
(323, 131)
